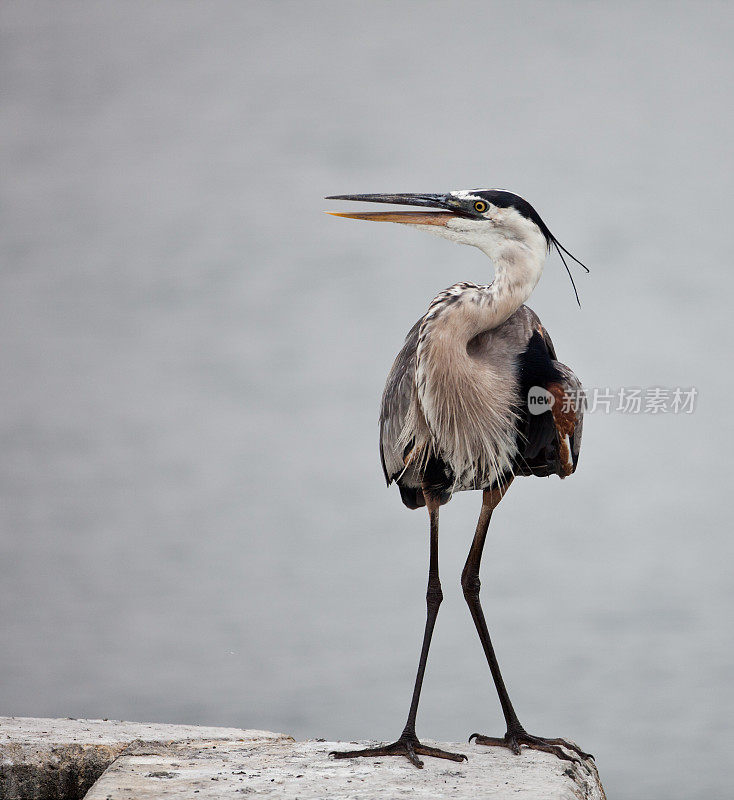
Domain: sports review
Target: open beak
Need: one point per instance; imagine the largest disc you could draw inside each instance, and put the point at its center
(441, 201)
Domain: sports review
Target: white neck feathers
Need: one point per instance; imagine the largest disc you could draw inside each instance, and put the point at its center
(517, 271)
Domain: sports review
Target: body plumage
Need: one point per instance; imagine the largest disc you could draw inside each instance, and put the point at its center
(459, 411)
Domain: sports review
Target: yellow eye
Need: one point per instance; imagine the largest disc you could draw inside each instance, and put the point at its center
(480, 206)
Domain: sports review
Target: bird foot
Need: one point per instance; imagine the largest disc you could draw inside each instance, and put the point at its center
(407, 746)
(513, 740)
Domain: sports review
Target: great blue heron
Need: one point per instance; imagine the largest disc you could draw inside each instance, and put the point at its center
(455, 411)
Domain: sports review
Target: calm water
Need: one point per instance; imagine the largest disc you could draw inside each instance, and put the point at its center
(194, 526)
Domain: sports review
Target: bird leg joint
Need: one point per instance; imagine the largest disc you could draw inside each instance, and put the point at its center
(471, 584)
(434, 595)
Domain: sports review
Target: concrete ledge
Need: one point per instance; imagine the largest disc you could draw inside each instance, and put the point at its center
(59, 759)
(55, 759)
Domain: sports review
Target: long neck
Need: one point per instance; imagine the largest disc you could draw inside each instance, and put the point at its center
(464, 310)
(518, 268)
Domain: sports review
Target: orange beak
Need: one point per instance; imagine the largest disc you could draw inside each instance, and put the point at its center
(406, 217)
(441, 201)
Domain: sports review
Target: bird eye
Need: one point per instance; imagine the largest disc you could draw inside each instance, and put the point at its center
(480, 206)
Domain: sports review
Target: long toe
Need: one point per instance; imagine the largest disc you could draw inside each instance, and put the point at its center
(568, 751)
(561, 748)
(570, 746)
(535, 743)
(495, 741)
(399, 748)
(410, 748)
(366, 752)
(435, 752)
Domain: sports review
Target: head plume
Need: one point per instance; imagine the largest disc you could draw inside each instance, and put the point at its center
(504, 199)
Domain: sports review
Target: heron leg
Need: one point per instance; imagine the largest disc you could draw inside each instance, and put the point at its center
(408, 744)
(516, 735)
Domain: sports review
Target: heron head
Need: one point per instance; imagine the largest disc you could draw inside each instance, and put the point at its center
(494, 220)
(483, 218)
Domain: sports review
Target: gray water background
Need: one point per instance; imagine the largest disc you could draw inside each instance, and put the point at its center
(194, 526)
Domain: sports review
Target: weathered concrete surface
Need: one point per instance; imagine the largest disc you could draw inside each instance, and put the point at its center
(43, 759)
(59, 759)
(303, 770)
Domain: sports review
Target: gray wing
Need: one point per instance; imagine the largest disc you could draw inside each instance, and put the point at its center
(396, 400)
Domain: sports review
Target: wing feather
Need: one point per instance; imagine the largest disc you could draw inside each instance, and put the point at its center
(396, 400)
(551, 441)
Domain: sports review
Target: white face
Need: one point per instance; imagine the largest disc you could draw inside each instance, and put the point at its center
(493, 231)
